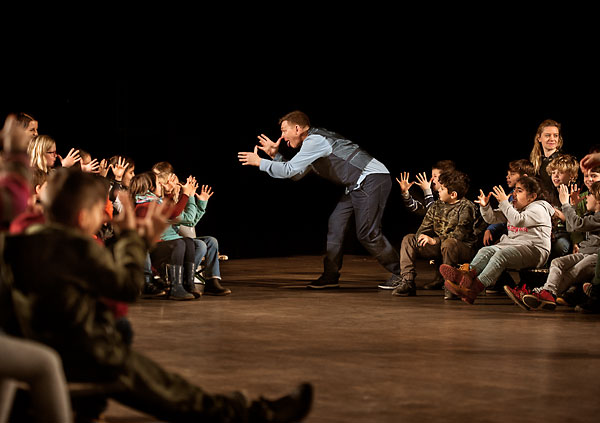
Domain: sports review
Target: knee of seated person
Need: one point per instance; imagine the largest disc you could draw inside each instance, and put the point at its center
(409, 239)
(448, 244)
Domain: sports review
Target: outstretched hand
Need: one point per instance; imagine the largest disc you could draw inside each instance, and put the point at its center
(268, 146)
(483, 200)
(205, 193)
(251, 159)
(403, 182)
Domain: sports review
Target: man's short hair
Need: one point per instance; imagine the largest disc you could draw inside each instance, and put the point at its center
(455, 180)
(69, 191)
(296, 118)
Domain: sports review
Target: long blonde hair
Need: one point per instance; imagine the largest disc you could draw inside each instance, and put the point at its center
(535, 157)
(37, 149)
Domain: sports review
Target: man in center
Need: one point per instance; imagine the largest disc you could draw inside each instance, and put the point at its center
(367, 186)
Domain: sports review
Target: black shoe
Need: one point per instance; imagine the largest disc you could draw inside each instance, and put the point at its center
(323, 283)
(436, 283)
(449, 295)
(288, 409)
(392, 283)
(406, 288)
(214, 287)
(589, 306)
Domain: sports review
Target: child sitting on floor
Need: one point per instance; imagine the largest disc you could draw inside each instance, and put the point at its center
(527, 243)
(572, 268)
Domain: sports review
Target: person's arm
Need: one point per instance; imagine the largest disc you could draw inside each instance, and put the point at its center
(313, 148)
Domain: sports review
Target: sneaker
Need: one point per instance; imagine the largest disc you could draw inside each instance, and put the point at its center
(392, 283)
(571, 297)
(406, 288)
(516, 294)
(323, 283)
(587, 289)
(543, 300)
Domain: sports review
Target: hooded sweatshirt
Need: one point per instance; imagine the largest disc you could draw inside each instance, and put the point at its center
(530, 226)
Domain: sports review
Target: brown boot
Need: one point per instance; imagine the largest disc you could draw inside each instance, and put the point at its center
(213, 287)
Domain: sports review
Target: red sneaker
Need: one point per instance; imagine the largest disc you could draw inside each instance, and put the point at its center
(516, 294)
(543, 300)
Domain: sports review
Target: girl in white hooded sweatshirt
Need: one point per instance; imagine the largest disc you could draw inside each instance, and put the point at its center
(526, 245)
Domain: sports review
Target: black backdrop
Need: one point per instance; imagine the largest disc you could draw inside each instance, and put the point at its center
(406, 116)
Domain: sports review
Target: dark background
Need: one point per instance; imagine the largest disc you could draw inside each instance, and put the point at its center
(407, 110)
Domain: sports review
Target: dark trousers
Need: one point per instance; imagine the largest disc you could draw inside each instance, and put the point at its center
(451, 251)
(146, 386)
(367, 205)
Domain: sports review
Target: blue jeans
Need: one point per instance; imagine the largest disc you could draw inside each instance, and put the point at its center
(366, 204)
(208, 247)
(491, 261)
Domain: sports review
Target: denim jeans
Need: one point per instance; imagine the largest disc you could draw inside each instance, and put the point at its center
(366, 204)
(491, 261)
(208, 247)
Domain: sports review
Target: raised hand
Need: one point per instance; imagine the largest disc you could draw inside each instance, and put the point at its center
(483, 200)
(72, 158)
(268, 146)
(13, 138)
(499, 194)
(103, 168)
(91, 167)
(403, 182)
(423, 182)
(119, 168)
(563, 194)
(190, 186)
(205, 193)
(575, 194)
(589, 161)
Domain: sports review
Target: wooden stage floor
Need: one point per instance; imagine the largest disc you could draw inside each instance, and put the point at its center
(373, 357)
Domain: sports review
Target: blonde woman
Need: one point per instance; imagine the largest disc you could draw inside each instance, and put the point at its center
(42, 153)
(547, 145)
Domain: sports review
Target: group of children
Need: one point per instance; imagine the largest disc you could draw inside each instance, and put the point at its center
(545, 223)
(183, 266)
(66, 301)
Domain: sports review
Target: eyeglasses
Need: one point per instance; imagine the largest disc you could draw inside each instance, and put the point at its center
(52, 152)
